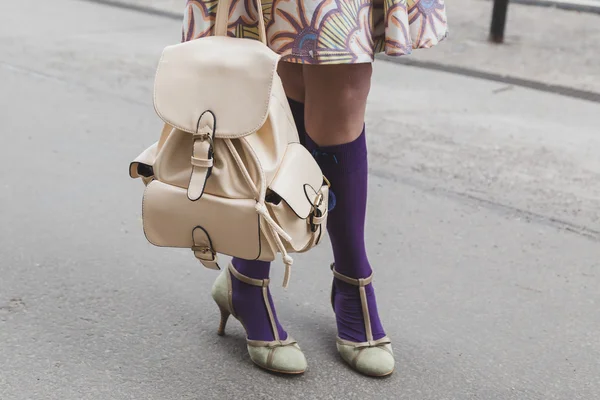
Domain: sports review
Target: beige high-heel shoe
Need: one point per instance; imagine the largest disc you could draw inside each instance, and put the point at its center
(373, 357)
(282, 356)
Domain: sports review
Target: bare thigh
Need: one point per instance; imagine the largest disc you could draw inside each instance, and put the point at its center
(335, 98)
(335, 101)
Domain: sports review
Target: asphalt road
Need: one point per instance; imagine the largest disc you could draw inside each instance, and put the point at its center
(484, 227)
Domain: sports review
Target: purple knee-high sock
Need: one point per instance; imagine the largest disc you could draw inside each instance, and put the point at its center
(248, 301)
(346, 168)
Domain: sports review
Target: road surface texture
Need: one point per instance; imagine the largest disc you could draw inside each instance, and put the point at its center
(484, 229)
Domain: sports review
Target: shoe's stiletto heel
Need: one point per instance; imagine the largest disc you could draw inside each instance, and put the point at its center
(282, 356)
(224, 318)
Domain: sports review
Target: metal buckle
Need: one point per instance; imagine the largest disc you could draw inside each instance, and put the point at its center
(318, 200)
(201, 249)
(204, 137)
(316, 212)
(204, 250)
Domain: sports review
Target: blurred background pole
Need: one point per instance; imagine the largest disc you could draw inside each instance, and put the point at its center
(498, 21)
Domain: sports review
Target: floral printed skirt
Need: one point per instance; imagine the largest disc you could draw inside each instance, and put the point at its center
(328, 31)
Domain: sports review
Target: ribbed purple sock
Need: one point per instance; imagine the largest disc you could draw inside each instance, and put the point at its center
(248, 301)
(346, 168)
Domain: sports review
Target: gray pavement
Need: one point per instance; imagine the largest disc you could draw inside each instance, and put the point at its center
(591, 6)
(546, 45)
(484, 227)
(549, 46)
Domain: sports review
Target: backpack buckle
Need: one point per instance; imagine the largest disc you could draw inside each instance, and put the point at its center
(202, 156)
(204, 137)
(316, 216)
(202, 248)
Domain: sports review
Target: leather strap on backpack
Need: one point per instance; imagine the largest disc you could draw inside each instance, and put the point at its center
(202, 155)
(222, 19)
(203, 249)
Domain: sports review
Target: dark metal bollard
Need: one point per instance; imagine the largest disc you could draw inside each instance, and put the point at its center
(498, 21)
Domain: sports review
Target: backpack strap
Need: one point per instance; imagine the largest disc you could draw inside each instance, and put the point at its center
(203, 249)
(202, 156)
(222, 19)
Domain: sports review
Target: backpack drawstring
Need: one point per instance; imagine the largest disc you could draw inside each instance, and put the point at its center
(274, 231)
(277, 232)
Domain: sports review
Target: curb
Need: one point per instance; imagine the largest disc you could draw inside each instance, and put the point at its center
(495, 77)
(143, 9)
(589, 6)
(535, 85)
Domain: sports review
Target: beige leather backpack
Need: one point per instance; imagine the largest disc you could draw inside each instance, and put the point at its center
(228, 174)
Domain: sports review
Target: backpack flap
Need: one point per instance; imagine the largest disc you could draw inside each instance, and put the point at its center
(230, 77)
(299, 180)
(301, 209)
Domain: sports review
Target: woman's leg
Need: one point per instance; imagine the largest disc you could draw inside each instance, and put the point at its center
(247, 300)
(336, 98)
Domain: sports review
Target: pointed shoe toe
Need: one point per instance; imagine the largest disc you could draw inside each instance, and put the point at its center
(376, 361)
(284, 359)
